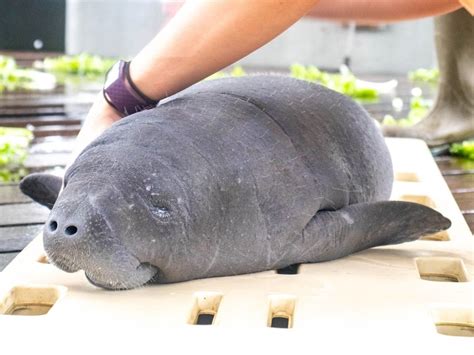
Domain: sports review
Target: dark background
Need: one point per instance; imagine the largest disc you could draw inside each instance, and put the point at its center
(24, 21)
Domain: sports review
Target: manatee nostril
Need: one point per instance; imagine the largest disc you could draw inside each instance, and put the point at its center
(53, 225)
(70, 230)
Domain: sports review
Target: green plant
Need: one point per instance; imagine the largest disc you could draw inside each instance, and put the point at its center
(236, 71)
(464, 149)
(344, 83)
(83, 64)
(12, 77)
(423, 75)
(419, 107)
(14, 143)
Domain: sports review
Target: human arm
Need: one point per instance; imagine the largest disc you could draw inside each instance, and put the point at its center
(381, 10)
(204, 37)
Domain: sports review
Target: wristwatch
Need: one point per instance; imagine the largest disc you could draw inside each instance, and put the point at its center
(122, 94)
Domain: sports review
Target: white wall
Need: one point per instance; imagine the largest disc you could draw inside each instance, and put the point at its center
(117, 28)
(396, 49)
(121, 28)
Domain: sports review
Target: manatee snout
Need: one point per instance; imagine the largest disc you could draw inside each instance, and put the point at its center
(79, 235)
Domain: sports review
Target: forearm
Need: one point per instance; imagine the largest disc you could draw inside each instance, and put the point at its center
(381, 10)
(100, 117)
(206, 36)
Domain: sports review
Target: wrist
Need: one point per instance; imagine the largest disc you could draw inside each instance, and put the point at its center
(122, 94)
(102, 108)
(138, 75)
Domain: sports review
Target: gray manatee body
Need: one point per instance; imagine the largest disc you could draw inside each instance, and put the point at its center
(228, 177)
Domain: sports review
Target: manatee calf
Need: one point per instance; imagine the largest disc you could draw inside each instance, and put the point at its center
(230, 176)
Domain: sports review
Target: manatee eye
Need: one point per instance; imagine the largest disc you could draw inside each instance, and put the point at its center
(161, 212)
(160, 207)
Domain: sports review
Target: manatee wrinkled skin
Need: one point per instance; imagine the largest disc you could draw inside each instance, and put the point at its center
(228, 177)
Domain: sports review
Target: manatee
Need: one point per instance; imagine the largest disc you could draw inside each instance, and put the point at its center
(228, 177)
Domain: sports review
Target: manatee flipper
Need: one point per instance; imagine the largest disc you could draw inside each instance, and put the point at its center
(42, 188)
(334, 234)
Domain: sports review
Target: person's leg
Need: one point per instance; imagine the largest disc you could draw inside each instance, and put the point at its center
(452, 116)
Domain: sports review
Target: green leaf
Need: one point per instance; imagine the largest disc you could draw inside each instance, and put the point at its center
(419, 108)
(236, 71)
(346, 84)
(430, 76)
(464, 149)
(83, 64)
(14, 144)
(14, 78)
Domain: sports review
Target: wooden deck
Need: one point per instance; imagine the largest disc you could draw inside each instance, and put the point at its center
(55, 118)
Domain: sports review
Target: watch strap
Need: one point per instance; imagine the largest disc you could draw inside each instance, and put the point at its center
(123, 94)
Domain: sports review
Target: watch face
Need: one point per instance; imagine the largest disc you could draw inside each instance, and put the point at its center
(112, 75)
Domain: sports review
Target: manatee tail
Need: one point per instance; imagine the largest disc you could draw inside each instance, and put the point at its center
(42, 188)
(334, 234)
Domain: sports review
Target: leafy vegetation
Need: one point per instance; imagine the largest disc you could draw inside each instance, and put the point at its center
(344, 83)
(423, 75)
(464, 149)
(419, 107)
(235, 72)
(12, 77)
(84, 64)
(14, 143)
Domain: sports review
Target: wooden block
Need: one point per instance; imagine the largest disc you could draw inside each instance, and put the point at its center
(6, 258)
(39, 121)
(460, 183)
(469, 217)
(11, 194)
(465, 200)
(455, 166)
(22, 214)
(56, 130)
(46, 160)
(15, 239)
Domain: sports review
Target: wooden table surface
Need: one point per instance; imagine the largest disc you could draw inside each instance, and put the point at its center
(55, 118)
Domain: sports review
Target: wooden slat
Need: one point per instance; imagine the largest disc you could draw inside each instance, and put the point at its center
(48, 98)
(29, 55)
(39, 121)
(46, 160)
(6, 258)
(49, 145)
(455, 166)
(465, 201)
(46, 110)
(460, 183)
(7, 105)
(23, 214)
(470, 220)
(11, 194)
(32, 111)
(23, 93)
(45, 131)
(16, 238)
(27, 58)
(20, 105)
